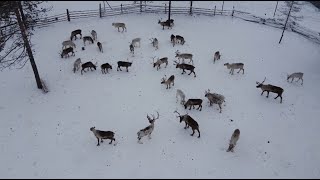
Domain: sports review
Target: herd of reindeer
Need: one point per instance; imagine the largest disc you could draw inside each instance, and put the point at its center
(214, 98)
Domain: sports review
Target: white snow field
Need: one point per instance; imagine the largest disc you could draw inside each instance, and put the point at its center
(48, 136)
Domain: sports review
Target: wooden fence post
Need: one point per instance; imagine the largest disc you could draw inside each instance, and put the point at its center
(140, 6)
(100, 13)
(165, 8)
(68, 15)
(232, 11)
(121, 8)
(214, 12)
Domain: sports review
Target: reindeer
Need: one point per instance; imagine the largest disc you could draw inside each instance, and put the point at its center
(68, 43)
(185, 66)
(135, 41)
(181, 95)
(155, 42)
(181, 39)
(184, 56)
(90, 65)
(193, 102)
(233, 141)
(234, 66)
(123, 64)
(171, 22)
(100, 46)
(120, 25)
(216, 56)
(76, 65)
(131, 48)
(105, 67)
(94, 35)
(74, 34)
(165, 23)
(173, 39)
(147, 130)
(298, 75)
(87, 38)
(190, 122)
(66, 52)
(214, 98)
(158, 63)
(103, 135)
(270, 88)
(168, 82)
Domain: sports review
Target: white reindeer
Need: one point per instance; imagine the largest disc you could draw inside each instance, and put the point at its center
(181, 95)
(147, 130)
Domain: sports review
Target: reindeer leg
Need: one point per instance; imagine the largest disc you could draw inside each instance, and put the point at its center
(242, 71)
(198, 133)
(263, 92)
(281, 99)
(127, 69)
(194, 74)
(220, 107)
(190, 107)
(268, 94)
(239, 70)
(192, 132)
(98, 142)
(292, 79)
(302, 81)
(185, 127)
(201, 107)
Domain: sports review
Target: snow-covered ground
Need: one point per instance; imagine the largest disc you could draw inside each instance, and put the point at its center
(48, 136)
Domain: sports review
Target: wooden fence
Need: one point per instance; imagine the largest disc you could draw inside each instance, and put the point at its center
(156, 9)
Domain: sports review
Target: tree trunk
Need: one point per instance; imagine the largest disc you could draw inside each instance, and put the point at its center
(169, 17)
(285, 25)
(22, 15)
(28, 48)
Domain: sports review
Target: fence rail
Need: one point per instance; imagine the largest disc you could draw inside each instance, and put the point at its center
(158, 9)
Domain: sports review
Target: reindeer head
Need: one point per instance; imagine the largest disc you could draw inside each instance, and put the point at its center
(154, 64)
(181, 117)
(206, 93)
(159, 21)
(177, 53)
(164, 79)
(226, 64)
(288, 76)
(92, 128)
(151, 120)
(176, 63)
(259, 85)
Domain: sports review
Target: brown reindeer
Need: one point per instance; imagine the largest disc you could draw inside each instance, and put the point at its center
(270, 88)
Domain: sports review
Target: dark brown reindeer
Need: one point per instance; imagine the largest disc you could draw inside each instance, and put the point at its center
(75, 33)
(123, 64)
(105, 67)
(88, 64)
(103, 135)
(65, 52)
(193, 102)
(190, 122)
(270, 88)
(184, 66)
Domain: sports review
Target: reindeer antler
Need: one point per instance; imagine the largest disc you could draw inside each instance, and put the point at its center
(177, 112)
(175, 62)
(263, 80)
(157, 116)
